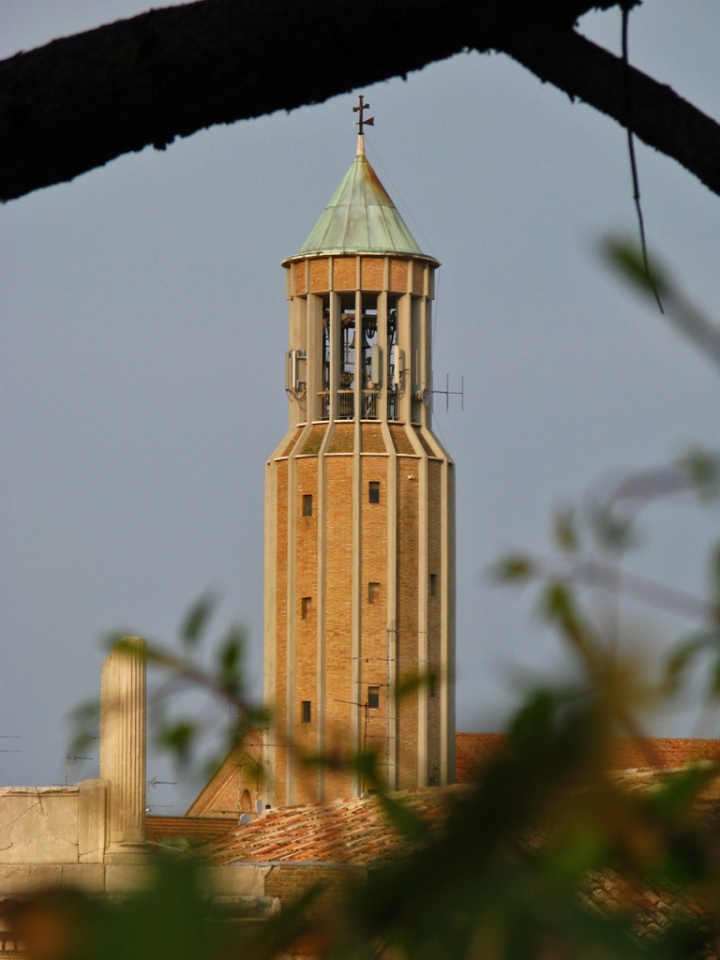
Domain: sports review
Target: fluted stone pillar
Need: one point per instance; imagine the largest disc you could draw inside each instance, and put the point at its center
(122, 749)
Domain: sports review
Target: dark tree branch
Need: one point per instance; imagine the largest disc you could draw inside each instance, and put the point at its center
(660, 117)
(79, 102)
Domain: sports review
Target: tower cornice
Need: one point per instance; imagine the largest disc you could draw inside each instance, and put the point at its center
(424, 257)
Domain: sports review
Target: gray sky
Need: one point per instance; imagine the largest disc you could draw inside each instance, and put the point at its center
(144, 321)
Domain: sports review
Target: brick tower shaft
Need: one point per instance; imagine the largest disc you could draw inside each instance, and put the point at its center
(359, 553)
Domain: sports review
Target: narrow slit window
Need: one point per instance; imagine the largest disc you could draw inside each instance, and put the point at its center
(373, 592)
(373, 700)
(433, 582)
(374, 491)
(305, 606)
(307, 504)
(306, 711)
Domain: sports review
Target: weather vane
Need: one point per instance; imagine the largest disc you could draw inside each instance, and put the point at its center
(361, 108)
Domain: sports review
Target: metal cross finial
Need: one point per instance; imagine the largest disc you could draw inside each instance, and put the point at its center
(361, 108)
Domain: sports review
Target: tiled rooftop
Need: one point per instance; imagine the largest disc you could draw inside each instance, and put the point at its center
(347, 831)
(357, 832)
(473, 750)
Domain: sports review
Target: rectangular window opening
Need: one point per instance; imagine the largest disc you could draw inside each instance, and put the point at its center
(374, 491)
(305, 605)
(307, 504)
(306, 711)
(373, 592)
(433, 582)
(373, 700)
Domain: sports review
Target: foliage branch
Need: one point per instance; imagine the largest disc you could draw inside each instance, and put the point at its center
(81, 101)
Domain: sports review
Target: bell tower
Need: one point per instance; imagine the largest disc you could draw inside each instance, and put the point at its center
(359, 513)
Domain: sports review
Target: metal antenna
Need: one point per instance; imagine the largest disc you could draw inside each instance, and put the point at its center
(362, 122)
(73, 758)
(447, 392)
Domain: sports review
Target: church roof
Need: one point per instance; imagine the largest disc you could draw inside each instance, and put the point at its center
(360, 218)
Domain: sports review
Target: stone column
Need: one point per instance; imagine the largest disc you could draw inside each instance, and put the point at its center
(122, 749)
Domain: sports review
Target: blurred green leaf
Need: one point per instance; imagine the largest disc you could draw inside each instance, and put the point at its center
(612, 531)
(197, 618)
(561, 609)
(678, 792)
(584, 848)
(715, 577)
(714, 690)
(535, 721)
(626, 257)
(565, 530)
(229, 662)
(703, 470)
(178, 738)
(681, 659)
(514, 568)
(409, 823)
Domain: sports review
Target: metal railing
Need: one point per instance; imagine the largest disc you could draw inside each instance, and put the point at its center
(369, 405)
(346, 404)
(393, 402)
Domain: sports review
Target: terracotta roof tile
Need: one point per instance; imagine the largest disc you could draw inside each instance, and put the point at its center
(473, 750)
(353, 831)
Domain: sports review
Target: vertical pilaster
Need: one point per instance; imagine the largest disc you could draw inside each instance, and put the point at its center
(357, 564)
(270, 631)
(334, 354)
(292, 604)
(123, 749)
(322, 568)
(422, 621)
(392, 609)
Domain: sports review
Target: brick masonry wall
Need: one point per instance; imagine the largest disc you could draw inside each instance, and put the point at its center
(624, 753)
(374, 645)
(398, 275)
(280, 705)
(372, 272)
(345, 273)
(407, 617)
(288, 881)
(338, 618)
(298, 271)
(434, 618)
(306, 564)
(320, 275)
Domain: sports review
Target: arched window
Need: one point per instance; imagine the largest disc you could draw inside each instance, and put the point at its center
(246, 802)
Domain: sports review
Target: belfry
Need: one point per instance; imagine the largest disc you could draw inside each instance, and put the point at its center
(359, 513)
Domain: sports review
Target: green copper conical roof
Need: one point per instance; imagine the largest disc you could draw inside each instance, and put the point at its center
(360, 218)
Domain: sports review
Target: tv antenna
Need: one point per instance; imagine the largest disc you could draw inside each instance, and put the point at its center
(73, 758)
(447, 392)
